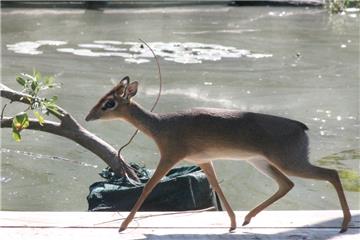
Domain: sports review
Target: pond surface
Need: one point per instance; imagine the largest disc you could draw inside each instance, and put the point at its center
(294, 62)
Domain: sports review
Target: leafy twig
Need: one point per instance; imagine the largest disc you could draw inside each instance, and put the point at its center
(32, 86)
(69, 128)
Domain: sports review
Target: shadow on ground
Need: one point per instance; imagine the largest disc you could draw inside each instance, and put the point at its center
(310, 233)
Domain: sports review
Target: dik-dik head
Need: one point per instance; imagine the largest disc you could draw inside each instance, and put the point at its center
(114, 103)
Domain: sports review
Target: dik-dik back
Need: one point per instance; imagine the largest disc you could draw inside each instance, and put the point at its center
(228, 134)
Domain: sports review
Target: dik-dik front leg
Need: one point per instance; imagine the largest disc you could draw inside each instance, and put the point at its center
(163, 168)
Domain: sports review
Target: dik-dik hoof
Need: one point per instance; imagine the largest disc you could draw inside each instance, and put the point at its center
(247, 219)
(246, 222)
(346, 221)
(343, 230)
(232, 229)
(123, 227)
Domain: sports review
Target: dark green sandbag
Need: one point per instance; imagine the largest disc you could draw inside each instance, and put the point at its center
(183, 188)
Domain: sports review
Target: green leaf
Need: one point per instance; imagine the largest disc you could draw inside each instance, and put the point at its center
(53, 99)
(39, 118)
(16, 136)
(28, 76)
(37, 75)
(51, 107)
(49, 81)
(34, 85)
(21, 121)
(21, 81)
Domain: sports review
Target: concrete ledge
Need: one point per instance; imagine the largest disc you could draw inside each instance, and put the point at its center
(100, 4)
(280, 3)
(176, 225)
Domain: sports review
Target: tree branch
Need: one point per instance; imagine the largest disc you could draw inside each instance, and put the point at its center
(48, 126)
(15, 96)
(71, 129)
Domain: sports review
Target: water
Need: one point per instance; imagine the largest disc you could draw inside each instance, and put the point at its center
(294, 62)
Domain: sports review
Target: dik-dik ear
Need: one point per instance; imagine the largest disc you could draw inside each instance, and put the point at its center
(120, 89)
(131, 89)
(125, 81)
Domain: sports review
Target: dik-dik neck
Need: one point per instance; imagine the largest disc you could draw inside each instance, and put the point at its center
(145, 121)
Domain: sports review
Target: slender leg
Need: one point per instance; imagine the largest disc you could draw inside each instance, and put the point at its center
(163, 167)
(332, 176)
(284, 183)
(211, 176)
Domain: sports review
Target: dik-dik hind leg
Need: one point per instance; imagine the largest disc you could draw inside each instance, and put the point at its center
(284, 183)
(209, 171)
(314, 172)
(163, 167)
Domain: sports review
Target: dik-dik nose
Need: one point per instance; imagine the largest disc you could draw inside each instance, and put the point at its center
(91, 116)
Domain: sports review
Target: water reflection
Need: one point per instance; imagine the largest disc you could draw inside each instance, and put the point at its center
(32, 48)
(4, 179)
(38, 156)
(134, 52)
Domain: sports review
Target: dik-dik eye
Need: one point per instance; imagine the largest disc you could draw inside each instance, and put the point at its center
(109, 104)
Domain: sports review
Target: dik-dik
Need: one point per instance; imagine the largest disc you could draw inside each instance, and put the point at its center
(276, 146)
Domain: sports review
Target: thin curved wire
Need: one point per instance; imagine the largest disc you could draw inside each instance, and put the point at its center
(154, 105)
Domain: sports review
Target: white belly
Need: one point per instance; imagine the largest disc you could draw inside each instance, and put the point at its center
(215, 154)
